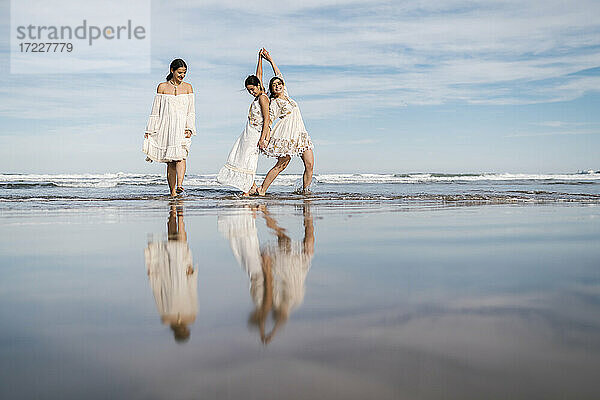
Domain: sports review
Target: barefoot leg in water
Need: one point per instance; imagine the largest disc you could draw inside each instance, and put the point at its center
(282, 163)
(180, 167)
(308, 158)
(172, 177)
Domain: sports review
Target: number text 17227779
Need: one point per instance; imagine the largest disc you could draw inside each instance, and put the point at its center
(45, 47)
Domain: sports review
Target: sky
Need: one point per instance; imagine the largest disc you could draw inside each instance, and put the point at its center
(383, 87)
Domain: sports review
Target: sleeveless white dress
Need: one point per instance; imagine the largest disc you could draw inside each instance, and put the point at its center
(240, 168)
(289, 136)
(171, 116)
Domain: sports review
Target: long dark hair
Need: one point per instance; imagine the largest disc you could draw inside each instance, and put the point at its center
(254, 81)
(271, 85)
(175, 64)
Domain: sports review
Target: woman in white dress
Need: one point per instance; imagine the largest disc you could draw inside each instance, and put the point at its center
(172, 276)
(289, 136)
(240, 168)
(239, 227)
(278, 272)
(288, 262)
(171, 125)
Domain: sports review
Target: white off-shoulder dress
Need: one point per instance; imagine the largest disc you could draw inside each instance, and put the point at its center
(175, 290)
(240, 168)
(289, 136)
(171, 116)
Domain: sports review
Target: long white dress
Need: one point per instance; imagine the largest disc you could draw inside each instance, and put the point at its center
(288, 136)
(171, 116)
(175, 292)
(240, 168)
(240, 229)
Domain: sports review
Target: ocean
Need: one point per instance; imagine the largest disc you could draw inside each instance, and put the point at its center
(416, 189)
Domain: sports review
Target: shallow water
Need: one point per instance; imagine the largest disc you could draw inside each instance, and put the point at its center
(88, 189)
(291, 297)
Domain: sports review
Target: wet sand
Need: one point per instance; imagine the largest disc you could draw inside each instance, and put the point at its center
(297, 299)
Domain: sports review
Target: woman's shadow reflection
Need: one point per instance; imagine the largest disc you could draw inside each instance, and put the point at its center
(277, 270)
(172, 276)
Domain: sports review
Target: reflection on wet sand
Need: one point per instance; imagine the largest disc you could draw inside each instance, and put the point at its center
(172, 276)
(277, 270)
(482, 303)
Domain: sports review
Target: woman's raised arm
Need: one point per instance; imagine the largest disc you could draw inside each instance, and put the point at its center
(268, 57)
(259, 71)
(265, 135)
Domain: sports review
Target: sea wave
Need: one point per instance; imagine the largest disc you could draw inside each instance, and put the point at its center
(110, 180)
(437, 177)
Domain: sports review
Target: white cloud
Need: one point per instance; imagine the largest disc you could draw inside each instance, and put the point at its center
(560, 124)
(556, 133)
(321, 142)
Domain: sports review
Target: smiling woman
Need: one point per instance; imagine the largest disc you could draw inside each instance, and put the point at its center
(171, 125)
(240, 168)
(289, 137)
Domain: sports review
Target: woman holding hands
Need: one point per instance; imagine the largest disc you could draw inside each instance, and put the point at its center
(289, 136)
(240, 168)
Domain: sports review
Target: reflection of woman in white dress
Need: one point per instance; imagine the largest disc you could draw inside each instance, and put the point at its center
(278, 272)
(241, 163)
(289, 262)
(171, 125)
(289, 136)
(172, 276)
(240, 229)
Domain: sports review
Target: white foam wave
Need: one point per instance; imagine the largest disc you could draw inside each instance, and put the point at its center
(432, 178)
(107, 180)
(110, 180)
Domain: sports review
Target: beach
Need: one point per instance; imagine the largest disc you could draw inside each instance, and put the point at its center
(430, 225)
(447, 287)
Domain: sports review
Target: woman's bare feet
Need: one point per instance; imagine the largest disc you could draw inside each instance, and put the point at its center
(260, 191)
(253, 190)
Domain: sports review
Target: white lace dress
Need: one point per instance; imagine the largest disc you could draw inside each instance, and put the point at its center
(171, 116)
(240, 168)
(288, 136)
(290, 267)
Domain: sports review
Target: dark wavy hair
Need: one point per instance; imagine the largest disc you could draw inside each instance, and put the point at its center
(181, 333)
(175, 64)
(271, 85)
(254, 81)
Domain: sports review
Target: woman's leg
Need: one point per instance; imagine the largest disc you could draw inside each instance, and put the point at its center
(172, 177)
(253, 190)
(180, 165)
(282, 163)
(308, 158)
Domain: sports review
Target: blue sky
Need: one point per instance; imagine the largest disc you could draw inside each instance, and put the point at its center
(420, 86)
